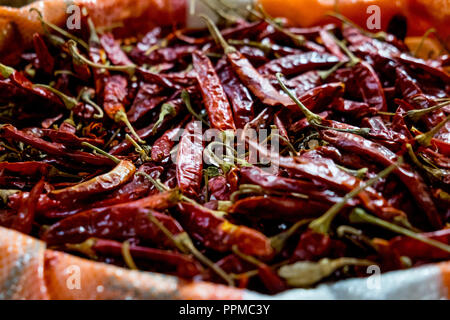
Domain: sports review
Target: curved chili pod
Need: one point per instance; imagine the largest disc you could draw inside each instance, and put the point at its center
(25, 215)
(298, 63)
(219, 234)
(120, 222)
(120, 175)
(190, 160)
(240, 97)
(214, 98)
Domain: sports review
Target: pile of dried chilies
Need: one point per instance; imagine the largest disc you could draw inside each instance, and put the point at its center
(88, 144)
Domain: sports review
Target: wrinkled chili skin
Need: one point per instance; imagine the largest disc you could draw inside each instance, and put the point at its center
(214, 97)
(120, 175)
(25, 215)
(219, 234)
(298, 63)
(384, 156)
(45, 60)
(115, 93)
(114, 51)
(257, 83)
(190, 160)
(239, 96)
(119, 223)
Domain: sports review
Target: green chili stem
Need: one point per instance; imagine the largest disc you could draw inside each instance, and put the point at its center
(245, 257)
(310, 116)
(166, 109)
(126, 254)
(86, 95)
(299, 40)
(217, 36)
(379, 35)
(129, 69)
(422, 40)
(326, 73)
(59, 30)
(277, 242)
(6, 71)
(323, 223)
(353, 59)
(415, 115)
(265, 47)
(102, 152)
(359, 215)
(69, 102)
(121, 116)
(425, 138)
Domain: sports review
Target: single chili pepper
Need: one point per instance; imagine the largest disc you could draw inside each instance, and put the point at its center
(46, 62)
(298, 63)
(219, 234)
(190, 160)
(181, 264)
(120, 175)
(147, 99)
(21, 82)
(27, 168)
(68, 138)
(435, 70)
(25, 215)
(115, 92)
(250, 77)
(56, 149)
(384, 156)
(120, 222)
(239, 96)
(214, 98)
(354, 108)
(114, 51)
(331, 45)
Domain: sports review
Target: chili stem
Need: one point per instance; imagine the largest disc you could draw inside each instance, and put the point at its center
(69, 102)
(59, 30)
(359, 215)
(425, 138)
(126, 254)
(323, 223)
(102, 152)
